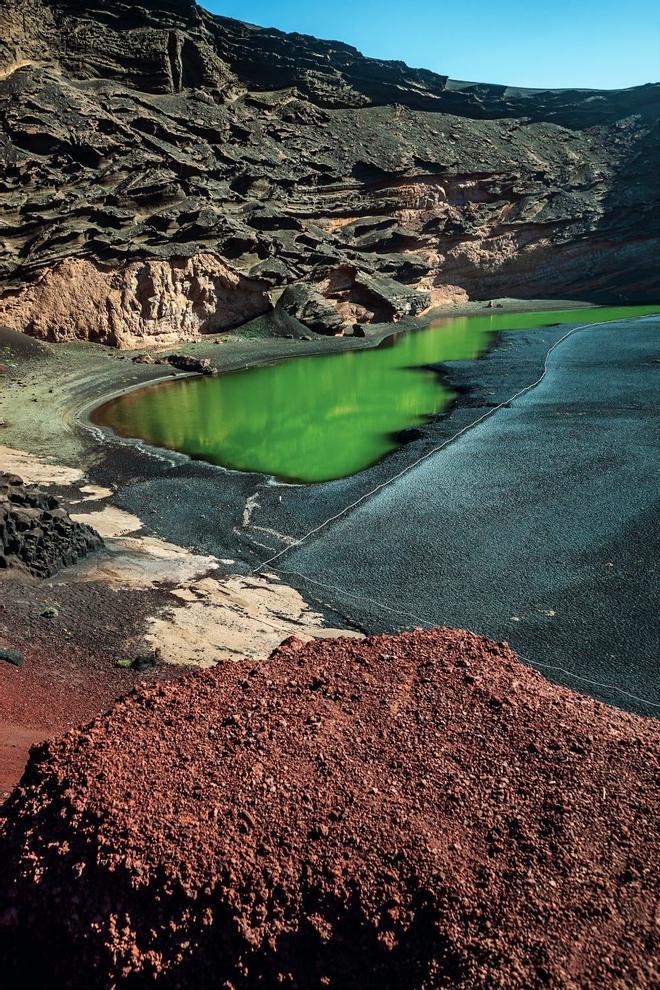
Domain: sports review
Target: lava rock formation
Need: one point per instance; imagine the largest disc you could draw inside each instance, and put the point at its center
(36, 533)
(169, 173)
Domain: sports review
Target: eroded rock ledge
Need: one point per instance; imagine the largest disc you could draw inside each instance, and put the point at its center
(411, 811)
(167, 173)
(36, 533)
(153, 302)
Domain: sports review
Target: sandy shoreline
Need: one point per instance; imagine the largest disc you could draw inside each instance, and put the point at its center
(185, 611)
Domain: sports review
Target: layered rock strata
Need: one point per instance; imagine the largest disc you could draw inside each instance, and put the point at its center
(168, 173)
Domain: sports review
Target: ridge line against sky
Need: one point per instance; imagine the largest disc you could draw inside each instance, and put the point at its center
(592, 44)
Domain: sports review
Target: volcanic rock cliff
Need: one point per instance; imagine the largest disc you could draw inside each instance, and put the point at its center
(36, 533)
(167, 173)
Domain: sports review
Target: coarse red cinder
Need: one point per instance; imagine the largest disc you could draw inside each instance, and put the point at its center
(413, 811)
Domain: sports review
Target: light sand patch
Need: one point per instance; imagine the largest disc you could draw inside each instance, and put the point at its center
(233, 617)
(95, 493)
(210, 619)
(109, 522)
(185, 594)
(144, 562)
(13, 67)
(36, 470)
(250, 506)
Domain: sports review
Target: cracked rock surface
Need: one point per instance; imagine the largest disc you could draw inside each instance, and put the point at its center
(169, 173)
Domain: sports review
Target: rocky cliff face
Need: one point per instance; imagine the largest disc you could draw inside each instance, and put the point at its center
(168, 173)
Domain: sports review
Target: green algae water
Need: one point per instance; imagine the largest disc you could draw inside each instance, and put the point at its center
(318, 418)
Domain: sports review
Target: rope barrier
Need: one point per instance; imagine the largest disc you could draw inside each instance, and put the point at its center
(429, 453)
(425, 622)
(430, 624)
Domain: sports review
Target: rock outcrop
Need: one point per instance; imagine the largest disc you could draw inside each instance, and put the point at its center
(167, 173)
(193, 365)
(416, 811)
(36, 533)
(152, 302)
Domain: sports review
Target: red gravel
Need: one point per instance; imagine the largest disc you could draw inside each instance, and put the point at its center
(69, 674)
(415, 811)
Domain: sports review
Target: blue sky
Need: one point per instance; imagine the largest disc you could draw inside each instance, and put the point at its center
(606, 44)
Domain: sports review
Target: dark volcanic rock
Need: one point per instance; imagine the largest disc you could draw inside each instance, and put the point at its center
(167, 172)
(404, 813)
(142, 664)
(307, 306)
(408, 435)
(36, 533)
(14, 657)
(196, 366)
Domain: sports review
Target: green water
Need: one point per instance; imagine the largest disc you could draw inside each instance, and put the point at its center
(317, 418)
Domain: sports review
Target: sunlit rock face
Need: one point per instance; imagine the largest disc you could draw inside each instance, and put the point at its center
(189, 168)
(156, 301)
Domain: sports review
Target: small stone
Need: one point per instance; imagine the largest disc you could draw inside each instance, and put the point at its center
(198, 366)
(142, 664)
(13, 657)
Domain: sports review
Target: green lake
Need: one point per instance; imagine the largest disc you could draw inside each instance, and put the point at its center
(317, 418)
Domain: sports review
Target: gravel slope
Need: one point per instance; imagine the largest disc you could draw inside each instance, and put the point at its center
(418, 811)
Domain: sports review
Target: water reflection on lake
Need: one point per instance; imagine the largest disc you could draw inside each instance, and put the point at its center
(318, 418)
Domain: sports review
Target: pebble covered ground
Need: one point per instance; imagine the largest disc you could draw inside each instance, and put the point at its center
(412, 811)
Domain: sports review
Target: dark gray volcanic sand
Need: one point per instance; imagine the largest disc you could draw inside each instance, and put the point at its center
(550, 506)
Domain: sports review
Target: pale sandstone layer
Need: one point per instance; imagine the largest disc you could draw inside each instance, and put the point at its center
(145, 302)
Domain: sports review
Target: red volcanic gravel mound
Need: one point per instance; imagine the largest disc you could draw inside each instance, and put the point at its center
(413, 811)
